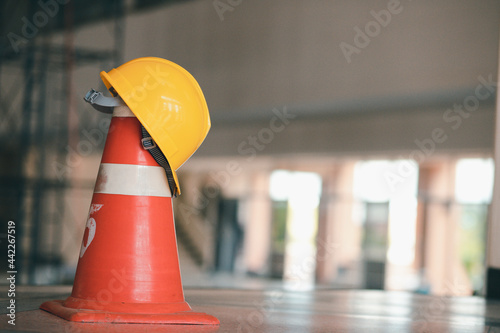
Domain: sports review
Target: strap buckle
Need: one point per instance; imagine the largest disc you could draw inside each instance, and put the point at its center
(148, 143)
(102, 103)
(91, 96)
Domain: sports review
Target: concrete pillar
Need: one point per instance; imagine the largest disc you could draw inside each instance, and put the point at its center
(337, 235)
(326, 267)
(258, 226)
(438, 231)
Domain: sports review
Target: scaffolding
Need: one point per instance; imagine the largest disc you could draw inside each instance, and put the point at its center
(39, 122)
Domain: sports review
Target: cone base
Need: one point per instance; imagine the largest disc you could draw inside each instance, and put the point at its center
(57, 308)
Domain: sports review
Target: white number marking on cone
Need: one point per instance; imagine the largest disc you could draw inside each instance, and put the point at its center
(91, 224)
(95, 208)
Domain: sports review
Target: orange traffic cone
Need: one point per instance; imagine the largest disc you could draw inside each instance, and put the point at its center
(128, 270)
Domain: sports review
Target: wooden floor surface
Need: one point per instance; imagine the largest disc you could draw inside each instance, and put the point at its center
(281, 311)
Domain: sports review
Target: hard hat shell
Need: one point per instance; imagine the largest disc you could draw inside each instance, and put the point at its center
(168, 102)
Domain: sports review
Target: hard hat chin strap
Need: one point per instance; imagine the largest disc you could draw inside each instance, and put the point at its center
(102, 103)
(106, 105)
(149, 144)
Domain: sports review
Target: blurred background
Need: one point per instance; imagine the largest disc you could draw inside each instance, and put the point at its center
(351, 142)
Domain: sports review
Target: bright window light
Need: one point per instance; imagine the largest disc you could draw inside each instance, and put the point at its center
(474, 180)
(280, 185)
(395, 182)
(381, 180)
(302, 190)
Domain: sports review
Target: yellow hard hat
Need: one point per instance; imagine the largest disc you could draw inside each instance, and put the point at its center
(168, 102)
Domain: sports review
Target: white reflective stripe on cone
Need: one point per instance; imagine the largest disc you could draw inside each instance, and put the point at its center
(129, 179)
(122, 111)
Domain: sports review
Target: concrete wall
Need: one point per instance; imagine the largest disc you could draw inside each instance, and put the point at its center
(259, 55)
